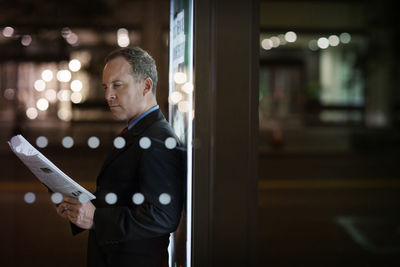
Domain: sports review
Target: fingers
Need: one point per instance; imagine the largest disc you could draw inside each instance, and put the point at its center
(71, 200)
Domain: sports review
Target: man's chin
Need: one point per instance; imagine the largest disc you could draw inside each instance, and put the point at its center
(118, 117)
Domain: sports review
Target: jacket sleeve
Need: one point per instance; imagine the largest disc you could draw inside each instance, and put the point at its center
(161, 171)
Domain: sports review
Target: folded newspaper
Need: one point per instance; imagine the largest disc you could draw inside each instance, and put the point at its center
(46, 171)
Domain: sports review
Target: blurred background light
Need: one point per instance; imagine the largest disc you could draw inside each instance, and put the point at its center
(180, 77)
(275, 41)
(184, 106)
(313, 45)
(65, 32)
(51, 95)
(72, 39)
(64, 95)
(334, 40)
(266, 44)
(323, 43)
(8, 31)
(39, 85)
(123, 37)
(31, 113)
(26, 40)
(64, 114)
(187, 88)
(42, 104)
(64, 75)
(74, 65)
(282, 39)
(175, 97)
(76, 85)
(290, 37)
(345, 37)
(47, 75)
(76, 97)
(9, 94)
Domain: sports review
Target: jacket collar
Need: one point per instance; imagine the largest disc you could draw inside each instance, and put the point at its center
(131, 135)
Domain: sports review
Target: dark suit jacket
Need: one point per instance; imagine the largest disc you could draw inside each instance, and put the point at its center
(125, 234)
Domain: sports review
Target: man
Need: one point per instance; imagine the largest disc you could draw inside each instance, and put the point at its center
(133, 233)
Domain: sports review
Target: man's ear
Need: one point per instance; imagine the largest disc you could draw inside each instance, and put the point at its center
(148, 85)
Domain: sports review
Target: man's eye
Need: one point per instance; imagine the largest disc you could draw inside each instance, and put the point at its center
(116, 85)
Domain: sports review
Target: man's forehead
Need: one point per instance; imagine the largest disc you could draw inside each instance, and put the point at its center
(116, 67)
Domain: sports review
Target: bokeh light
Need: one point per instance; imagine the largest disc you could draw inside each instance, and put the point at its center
(180, 77)
(67, 142)
(42, 104)
(47, 75)
(74, 65)
(31, 113)
(39, 85)
(42, 141)
(290, 37)
(145, 142)
(64, 75)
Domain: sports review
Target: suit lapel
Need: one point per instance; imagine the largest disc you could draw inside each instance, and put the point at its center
(132, 136)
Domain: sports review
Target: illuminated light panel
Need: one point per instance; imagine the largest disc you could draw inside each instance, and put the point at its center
(323, 43)
(290, 37)
(266, 44)
(64, 75)
(74, 65)
(47, 75)
(8, 31)
(175, 97)
(334, 40)
(42, 104)
(180, 77)
(31, 113)
(39, 85)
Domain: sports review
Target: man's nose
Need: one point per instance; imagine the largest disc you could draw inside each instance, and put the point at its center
(110, 94)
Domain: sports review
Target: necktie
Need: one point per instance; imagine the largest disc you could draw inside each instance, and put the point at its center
(123, 131)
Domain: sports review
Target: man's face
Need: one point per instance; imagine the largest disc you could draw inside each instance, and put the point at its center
(123, 92)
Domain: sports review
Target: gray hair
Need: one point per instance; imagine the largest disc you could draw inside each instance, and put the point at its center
(143, 65)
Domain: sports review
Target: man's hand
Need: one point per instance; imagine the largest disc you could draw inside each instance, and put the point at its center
(80, 214)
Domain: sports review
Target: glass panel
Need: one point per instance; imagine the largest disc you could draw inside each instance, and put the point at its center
(181, 112)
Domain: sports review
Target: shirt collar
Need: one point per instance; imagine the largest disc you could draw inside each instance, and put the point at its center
(142, 116)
